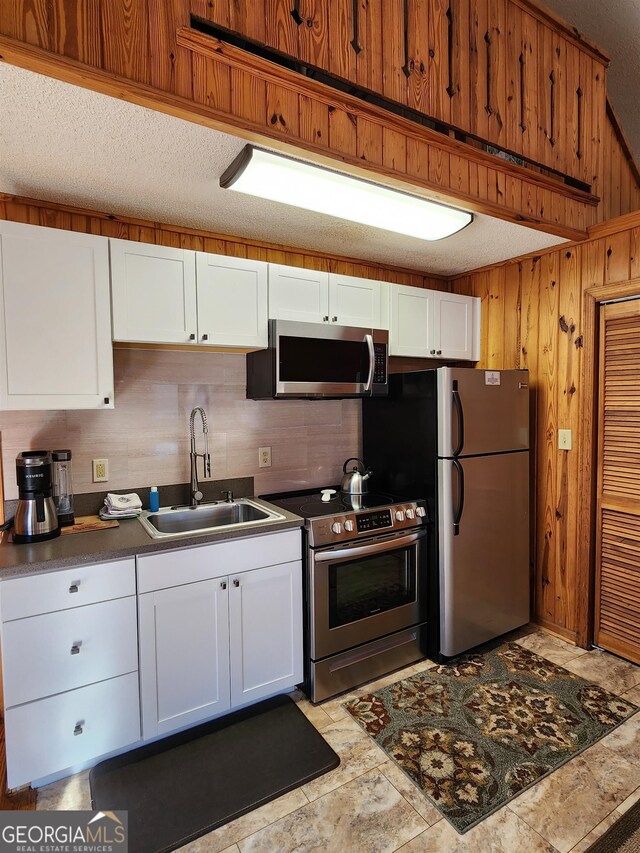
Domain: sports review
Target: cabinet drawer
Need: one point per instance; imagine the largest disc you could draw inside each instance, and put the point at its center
(69, 588)
(61, 651)
(159, 571)
(41, 736)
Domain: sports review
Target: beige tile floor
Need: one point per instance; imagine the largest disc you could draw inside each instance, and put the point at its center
(367, 805)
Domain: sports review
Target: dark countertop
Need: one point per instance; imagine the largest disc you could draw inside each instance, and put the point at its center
(113, 543)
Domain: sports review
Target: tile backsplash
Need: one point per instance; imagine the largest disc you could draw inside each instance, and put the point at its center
(146, 436)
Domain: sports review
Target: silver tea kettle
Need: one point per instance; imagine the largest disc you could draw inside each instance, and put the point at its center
(354, 481)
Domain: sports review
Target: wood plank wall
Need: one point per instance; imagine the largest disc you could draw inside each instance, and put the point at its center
(48, 214)
(620, 190)
(193, 77)
(531, 318)
(495, 69)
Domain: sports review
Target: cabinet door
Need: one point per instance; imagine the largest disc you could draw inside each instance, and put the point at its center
(455, 319)
(359, 302)
(153, 292)
(232, 301)
(411, 327)
(184, 655)
(55, 319)
(265, 618)
(298, 294)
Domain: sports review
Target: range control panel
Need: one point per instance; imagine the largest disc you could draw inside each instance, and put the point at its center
(348, 526)
(374, 520)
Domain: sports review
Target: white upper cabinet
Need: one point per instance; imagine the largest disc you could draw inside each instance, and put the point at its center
(178, 296)
(311, 296)
(153, 292)
(411, 321)
(298, 294)
(232, 301)
(55, 319)
(359, 302)
(433, 324)
(456, 324)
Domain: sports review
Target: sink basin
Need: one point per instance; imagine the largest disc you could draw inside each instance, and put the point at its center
(187, 520)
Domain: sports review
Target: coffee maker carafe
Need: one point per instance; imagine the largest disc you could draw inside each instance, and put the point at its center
(36, 519)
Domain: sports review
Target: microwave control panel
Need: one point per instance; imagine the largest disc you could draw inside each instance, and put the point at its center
(380, 364)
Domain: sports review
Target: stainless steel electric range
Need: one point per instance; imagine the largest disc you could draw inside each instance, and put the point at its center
(365, 580)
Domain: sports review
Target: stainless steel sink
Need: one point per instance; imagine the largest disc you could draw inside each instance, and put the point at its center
(187, 520)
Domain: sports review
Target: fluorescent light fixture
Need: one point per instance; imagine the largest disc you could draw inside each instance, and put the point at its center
(279, 178)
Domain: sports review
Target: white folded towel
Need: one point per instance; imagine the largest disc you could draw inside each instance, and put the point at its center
(122, 504)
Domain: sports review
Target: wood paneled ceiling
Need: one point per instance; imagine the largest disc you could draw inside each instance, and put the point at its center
(70, 145)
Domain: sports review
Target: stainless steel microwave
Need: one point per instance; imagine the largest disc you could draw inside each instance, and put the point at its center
(317, 360)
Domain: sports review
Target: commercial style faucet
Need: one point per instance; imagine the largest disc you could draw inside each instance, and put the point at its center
(196, 494)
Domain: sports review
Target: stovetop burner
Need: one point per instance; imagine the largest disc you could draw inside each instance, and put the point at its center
(309, 504)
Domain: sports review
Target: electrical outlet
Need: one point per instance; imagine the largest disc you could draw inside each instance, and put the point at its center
(564, 439)
(100, 470)
(264, 457)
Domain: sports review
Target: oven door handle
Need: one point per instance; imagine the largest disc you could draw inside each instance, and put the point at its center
(372, 361)
(368, 550)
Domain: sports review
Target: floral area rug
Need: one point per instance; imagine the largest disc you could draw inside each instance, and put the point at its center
(475, 733)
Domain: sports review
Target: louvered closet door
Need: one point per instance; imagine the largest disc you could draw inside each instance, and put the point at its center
(617, 611)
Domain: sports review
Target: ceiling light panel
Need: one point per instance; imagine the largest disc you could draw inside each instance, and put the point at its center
(305, 185)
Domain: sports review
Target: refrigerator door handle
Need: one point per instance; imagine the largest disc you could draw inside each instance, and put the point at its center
(458, 510)
(457, 404)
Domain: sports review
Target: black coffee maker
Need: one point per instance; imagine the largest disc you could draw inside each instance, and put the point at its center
(36, 519)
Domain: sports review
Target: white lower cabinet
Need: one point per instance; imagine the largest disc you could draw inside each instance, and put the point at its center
(210, 644)
(184, 655)
(68, 729)
(265, 619)
(196, 641)
(70, 673)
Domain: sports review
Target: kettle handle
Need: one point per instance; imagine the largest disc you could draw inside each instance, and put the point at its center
(355, 458)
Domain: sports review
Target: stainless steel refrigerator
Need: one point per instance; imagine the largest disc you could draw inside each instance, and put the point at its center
(459, 437)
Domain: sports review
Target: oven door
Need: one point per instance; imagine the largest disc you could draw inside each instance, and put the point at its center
(363, 591)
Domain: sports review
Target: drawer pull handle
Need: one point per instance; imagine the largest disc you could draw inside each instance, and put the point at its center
(75, 649)
(236, 582)
(74, 587)
(223, 585)
(334, 319)
(78, 729)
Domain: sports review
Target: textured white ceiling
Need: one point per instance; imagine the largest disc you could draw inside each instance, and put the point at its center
(69, 145)
(615, 26)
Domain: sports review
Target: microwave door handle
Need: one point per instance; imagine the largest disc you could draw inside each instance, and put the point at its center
(372, 361)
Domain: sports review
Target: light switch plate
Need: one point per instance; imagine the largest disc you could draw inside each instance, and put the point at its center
(564, 439)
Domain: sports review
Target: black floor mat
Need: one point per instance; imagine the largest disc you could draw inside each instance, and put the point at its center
(188, 784)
